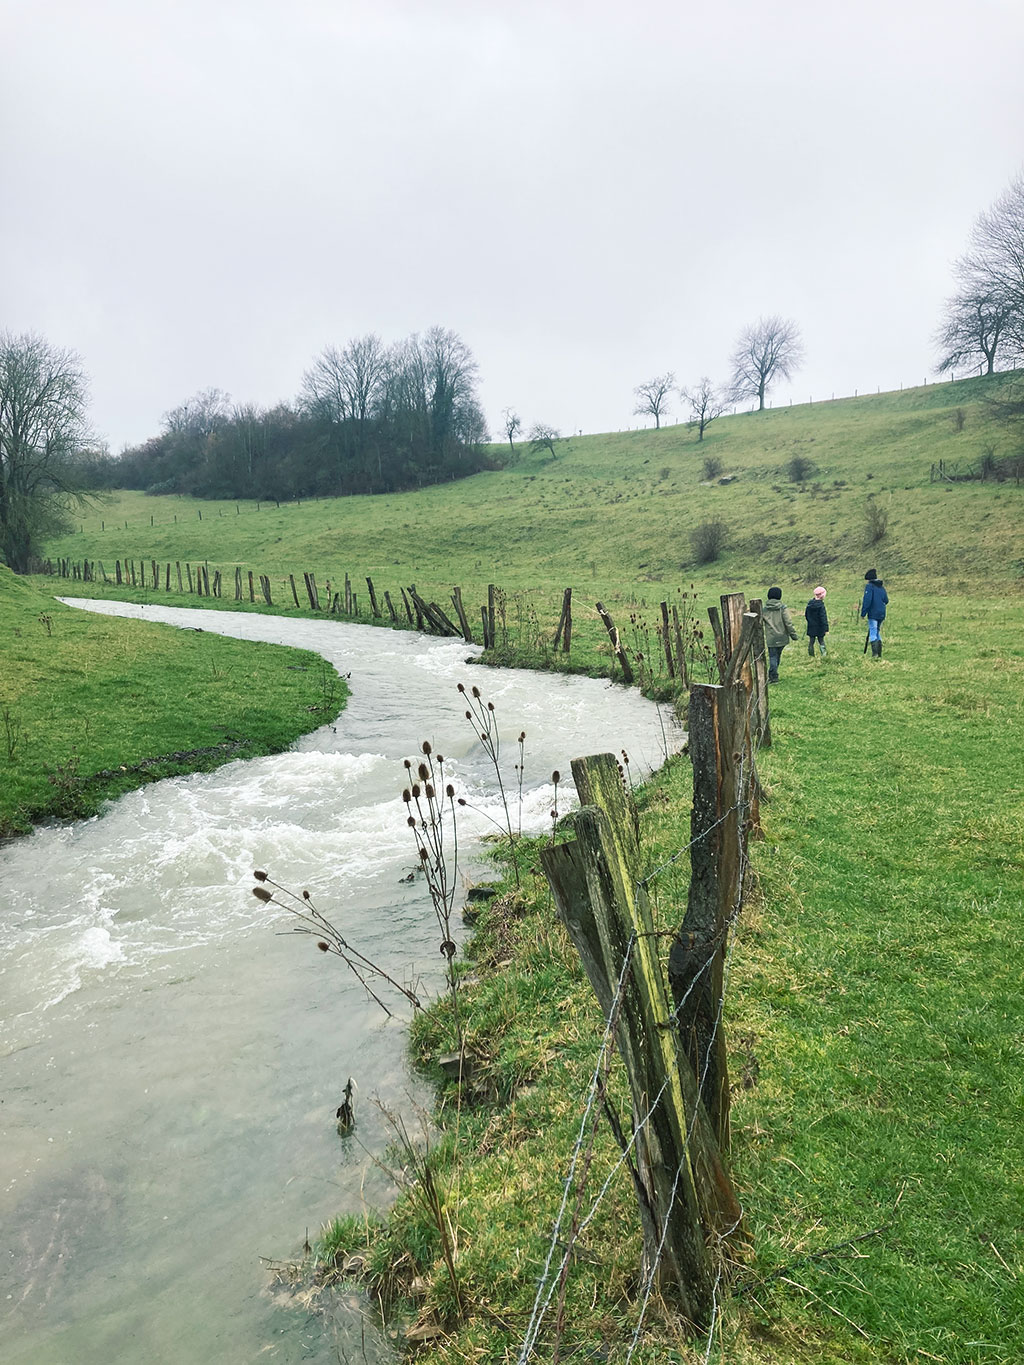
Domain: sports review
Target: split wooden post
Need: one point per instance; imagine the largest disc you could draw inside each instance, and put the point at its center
(666, 640)
(759, 672)
(295, 595)
(564, 631)
(683, 1191)
(238, 583)
(617, 646)
(177, 568)
(717, 725)
(252, 587)
(684, 672)
(460, 612)
(390, 605)
(374, 606)
(714, 616)
(265, 585)
(491, 594)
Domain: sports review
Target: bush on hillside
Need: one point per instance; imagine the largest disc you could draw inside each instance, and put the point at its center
(712, 467)
(708, 541)
(799, 469)
(876, 518)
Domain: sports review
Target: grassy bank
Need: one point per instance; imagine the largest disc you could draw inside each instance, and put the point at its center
(874, 1021)
(92, 706)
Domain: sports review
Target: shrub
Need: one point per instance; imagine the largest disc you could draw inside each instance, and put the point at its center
(708, 541)
(799, 468)
(877, 521)
(712, 466)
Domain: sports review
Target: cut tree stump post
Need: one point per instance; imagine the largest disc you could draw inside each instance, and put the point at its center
(683, 1192)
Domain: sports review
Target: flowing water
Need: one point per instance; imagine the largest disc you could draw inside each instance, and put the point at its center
(170, 1067)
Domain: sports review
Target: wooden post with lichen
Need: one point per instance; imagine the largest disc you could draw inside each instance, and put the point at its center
(721, 654)
(717, 725)
(683, 1191)
(564, 631)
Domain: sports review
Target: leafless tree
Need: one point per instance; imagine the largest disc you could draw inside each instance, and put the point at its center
(343, 385)
(199, 416)
(984, 320)
(43, 397)
(511, 424)
(771, 349)
(652, 397)
(543, 437)
(707, 402)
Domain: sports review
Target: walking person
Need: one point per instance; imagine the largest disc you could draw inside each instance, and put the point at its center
(778, 630)
(817, 622)
(876, 599)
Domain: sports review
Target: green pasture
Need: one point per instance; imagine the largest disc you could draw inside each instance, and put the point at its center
(875, 1001)
(86, 702)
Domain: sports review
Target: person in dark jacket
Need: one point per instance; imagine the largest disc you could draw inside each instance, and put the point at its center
(817, 621)
(876, 599)
(778, 630)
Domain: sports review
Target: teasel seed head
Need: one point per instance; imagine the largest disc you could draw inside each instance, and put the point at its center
(262, 894)
(260, 876)
(324, 947)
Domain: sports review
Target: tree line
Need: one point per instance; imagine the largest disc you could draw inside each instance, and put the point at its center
(369, 418)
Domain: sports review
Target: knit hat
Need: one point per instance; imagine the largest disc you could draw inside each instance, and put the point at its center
(819, 594)
(774, 594)
(871, 575)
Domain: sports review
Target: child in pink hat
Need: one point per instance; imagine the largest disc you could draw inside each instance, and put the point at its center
(817, 621)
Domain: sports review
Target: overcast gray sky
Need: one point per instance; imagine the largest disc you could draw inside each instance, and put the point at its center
(205, 193)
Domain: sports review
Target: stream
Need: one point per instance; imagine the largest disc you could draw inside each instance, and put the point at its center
(171, 1056)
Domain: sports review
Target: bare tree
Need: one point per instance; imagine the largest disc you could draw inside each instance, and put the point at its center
(543, 437)
(511, 424)
(43, 398)
(199, 416)
(984, 320)
(343, 385)
(707, 402)
(652, 397)
(771, 349)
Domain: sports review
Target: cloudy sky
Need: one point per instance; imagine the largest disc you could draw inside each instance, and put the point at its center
(205, 193)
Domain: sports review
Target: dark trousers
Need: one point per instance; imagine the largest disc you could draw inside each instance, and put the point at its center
(774, 655)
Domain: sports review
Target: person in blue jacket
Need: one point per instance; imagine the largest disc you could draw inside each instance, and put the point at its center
(876, 599)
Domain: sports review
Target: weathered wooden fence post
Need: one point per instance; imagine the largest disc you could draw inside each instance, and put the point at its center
(717, 725)
(564, 631)
(683, 1191)
(617, 646)
(666, 640)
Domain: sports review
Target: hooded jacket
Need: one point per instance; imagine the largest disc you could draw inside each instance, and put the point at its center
(876, 600)
(778, 625)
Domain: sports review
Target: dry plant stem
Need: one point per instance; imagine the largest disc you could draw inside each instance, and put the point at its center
(423, 1187)
(430, 803)
(330, 939)
(483, 716)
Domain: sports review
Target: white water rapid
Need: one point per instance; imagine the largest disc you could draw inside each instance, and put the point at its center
(170, 1067)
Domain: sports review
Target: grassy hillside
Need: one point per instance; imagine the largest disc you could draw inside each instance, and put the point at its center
(88, 702)
(875, 999)
(613, 515)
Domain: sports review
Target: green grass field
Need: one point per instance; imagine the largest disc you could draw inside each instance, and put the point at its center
(875, 998)
(87, 702)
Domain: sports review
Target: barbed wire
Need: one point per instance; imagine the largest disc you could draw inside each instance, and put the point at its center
(727, 936)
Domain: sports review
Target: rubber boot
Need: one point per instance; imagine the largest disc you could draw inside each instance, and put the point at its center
(810, 648)
(876, 648)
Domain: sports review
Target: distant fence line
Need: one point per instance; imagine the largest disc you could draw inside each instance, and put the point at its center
(667, 651)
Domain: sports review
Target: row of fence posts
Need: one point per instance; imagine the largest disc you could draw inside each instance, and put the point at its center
(666, 1014)
(412, 609)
